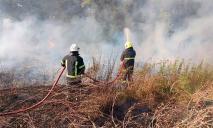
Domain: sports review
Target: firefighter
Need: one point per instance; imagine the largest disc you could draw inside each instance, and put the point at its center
(127, 61)
(74, 64)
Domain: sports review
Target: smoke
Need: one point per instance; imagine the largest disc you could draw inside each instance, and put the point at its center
(179, 29)
(40, 32)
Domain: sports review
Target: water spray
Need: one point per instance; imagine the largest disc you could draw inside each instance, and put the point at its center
(127, 34)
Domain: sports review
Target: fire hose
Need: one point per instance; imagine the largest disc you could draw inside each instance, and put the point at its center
(40, 102)
(112, 81)
(51, 90)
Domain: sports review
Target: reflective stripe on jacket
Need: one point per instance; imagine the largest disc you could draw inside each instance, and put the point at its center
(74, 64)
(128, 57)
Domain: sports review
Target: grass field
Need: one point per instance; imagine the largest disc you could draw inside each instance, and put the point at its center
(163, 95)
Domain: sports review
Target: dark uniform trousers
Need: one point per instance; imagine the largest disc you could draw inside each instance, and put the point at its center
(128, 72)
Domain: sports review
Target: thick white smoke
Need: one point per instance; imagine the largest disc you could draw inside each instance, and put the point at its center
(167, 38)
(159, 30)
(45, 43)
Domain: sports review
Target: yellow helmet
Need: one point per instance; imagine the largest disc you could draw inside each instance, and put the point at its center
(128, 44)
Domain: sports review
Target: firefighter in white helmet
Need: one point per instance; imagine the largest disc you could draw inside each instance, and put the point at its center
(128, 60)
(74, 64)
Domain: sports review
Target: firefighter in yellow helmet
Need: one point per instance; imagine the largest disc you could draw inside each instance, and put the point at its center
(74, 64)
(128, 61)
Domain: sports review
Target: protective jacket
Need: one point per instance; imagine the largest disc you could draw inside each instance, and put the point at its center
(128, 58)
(74, 64)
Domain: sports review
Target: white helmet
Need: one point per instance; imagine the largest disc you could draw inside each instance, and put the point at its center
(74, 47)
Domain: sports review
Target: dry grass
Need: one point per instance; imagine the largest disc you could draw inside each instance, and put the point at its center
(162, 95)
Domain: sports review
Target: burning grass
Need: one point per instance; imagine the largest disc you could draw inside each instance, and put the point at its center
(162, 95)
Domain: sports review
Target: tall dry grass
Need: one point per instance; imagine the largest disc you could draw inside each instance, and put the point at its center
(163, 95)
(180, 94)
